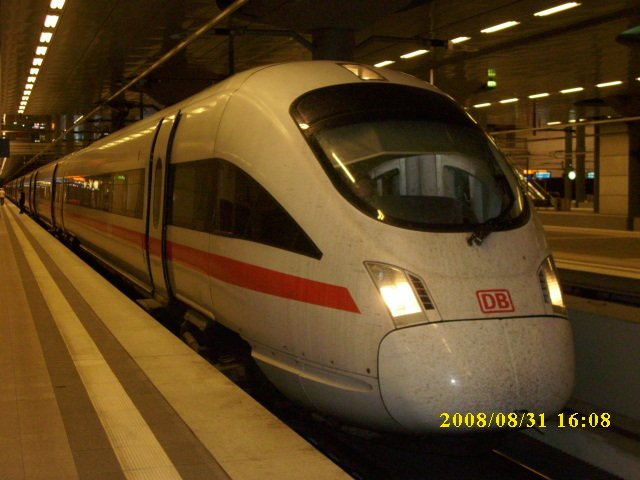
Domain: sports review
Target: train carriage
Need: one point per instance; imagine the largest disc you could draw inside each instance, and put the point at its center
(353, 225)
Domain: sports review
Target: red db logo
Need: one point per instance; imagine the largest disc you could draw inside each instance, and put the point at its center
(495, 301)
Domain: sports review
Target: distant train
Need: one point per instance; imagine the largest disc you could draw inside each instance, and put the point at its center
(354, 225)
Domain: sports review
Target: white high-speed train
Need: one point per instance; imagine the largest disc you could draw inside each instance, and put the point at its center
(353, 225)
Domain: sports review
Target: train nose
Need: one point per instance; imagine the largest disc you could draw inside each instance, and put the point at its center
(501, 366)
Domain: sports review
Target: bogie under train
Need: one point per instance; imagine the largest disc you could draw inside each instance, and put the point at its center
(353, 225)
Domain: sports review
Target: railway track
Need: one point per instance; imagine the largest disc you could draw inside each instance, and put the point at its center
(391, 457)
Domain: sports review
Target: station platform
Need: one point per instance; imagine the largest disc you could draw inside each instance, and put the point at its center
(604, 263)
(92, 387)
(597, 263)
(597, 250)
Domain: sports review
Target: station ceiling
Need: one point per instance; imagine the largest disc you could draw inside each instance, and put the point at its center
(99, 45)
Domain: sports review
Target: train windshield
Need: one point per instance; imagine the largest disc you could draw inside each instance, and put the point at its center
(410, 157)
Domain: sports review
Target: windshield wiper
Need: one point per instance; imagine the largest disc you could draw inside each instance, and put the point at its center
(484, 229)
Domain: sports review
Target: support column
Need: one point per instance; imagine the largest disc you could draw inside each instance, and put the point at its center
(581, 147)
(634, 175)
(568, 165)
(614, 141)
(596, 169)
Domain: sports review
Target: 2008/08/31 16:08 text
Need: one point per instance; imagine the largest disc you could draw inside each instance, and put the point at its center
(522, 420)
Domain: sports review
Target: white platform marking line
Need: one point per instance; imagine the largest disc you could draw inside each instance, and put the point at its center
(134, 444)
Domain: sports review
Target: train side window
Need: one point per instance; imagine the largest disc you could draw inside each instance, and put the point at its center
(245, 209)
(43, 189)
(191, 206)
(127, 194)
(92, 192)
(215, 196)
(101, 192)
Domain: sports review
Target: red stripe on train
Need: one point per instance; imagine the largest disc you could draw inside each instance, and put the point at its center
(264, 280)
(241, 274)
(126, 234)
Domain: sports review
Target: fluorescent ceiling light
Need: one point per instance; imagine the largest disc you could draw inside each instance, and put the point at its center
(27, 92)
(25, 97)
(31, 79)
(422, 51)
(553, 123)
(502, 26)
(509, 100)
(572, 90)
(559, 8)
(539, 95)
(23, 103)
(28, 86)
(459, 39)
(481, 105)
(34, 71)
(56, 4)
(41, 50)
(384, 63)
(50, 21)
(45, 37)
(37, 61)
(609, 84)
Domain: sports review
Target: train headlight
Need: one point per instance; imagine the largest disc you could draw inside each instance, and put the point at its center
(550, 285)
(403, 293)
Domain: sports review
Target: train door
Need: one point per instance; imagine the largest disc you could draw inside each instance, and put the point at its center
(156, 228)
(52, 196)
(31, 197)
(58, 192)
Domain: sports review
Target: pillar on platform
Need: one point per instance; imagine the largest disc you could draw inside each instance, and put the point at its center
(581, 153)
(614, 169)
(634, 175)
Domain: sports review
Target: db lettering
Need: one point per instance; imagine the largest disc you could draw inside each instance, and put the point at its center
(495, 301)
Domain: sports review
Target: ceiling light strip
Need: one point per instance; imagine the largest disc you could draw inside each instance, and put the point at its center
(609, 84)
(161, 61)
(46, 36)
(546, 94)
(502, 26)
(556, 9)
(572, 90)
(539, 95)
(415, 53)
